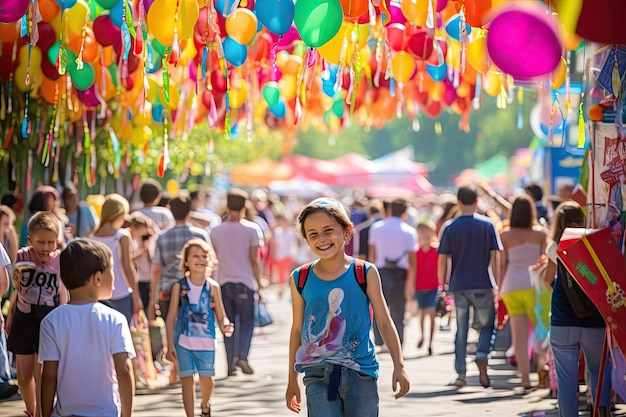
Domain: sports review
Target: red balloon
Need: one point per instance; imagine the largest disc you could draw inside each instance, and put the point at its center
(475, 11)
(49, 70)
(433, 109)
(420, 45)
(47, 36)
(106, 32)
(395, 35)
(218, 81)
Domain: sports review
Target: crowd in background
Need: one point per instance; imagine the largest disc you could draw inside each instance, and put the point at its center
(417, 245)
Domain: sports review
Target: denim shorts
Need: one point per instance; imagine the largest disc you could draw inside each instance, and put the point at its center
(356, 393)
(426, 299)
(192, 362)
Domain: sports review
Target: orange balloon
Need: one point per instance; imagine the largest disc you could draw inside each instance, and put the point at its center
(354, 8)
(90, 47)
(49, 9)
(475, 11)
(241, 25)
(46, 90)
(415, 11)
(9, 32)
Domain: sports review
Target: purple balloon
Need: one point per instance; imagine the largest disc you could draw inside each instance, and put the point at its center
(12, 10)
(88, 97)
(147, 4)
(523, 41)
(396, 15)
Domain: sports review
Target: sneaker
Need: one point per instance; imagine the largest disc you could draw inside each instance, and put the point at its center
(245, 367)
(483, 378)
(7, 390)
(460, 382)
(233, 372)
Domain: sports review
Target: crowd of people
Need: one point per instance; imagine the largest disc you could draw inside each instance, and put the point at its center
(201, 261)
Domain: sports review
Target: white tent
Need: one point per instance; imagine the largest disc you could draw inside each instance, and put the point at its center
(398, 166)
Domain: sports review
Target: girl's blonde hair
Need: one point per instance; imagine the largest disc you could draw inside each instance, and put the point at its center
(196, 243)
(114, 206)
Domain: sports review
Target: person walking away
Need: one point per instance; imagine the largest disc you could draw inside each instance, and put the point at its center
(142, 234)
(82, 219)
(125, 298)
(196, 308)
(362, 230)
(330, 332)
(239, 273)
(392, 245)
(165, 269)
(150, 194)
(472, 243)
(524, 241)
(6, 388)
(570, 333)
(282, 253)
(86, 347)
(38, 291)
(427, 287)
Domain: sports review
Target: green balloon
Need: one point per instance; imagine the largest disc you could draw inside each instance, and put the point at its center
(113, 71)
(158, 48)
(107, 4)
(271, 94)
(317, 21)
(338, 108)
(83, 78)
(53, 52)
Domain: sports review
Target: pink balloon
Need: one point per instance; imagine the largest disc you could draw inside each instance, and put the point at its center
(395, 35)
(88, 97)
(12, 10)
(523, 40)
(420, 45)
(441, 4)
(286, 43)
(396, 14)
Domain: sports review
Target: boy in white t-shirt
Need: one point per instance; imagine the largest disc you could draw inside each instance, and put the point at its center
(86, 347)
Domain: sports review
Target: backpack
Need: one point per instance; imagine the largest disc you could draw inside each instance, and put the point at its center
(582, 306)
(359, 275)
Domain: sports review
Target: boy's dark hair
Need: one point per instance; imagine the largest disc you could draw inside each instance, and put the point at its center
(149, 191)
(398, 207)
(8, 200)
(236, 199)
(180, 206)
(467, 195)
(535, 191)
(43, 220)
(81, 259)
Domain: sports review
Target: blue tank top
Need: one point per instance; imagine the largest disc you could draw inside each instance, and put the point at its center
(337, 323)
(195, 323)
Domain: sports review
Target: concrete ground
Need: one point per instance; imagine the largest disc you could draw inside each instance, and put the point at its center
(262, 394)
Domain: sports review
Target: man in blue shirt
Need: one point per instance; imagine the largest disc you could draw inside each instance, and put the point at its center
(472, 243)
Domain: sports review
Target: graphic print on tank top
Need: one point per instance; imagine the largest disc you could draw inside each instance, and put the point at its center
(39, 285)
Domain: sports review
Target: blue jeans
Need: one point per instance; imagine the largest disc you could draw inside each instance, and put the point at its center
(566, 342)
(357, 393)
(5, 368)
(482, 302)
(239, 305)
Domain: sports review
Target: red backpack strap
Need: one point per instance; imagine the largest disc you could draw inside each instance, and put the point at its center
(359, 273)
(302, 276)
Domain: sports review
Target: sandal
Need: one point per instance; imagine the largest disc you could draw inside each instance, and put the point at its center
(206, 413)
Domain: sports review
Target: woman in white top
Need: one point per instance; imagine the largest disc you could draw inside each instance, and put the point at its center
(524, 241)
(125, 298)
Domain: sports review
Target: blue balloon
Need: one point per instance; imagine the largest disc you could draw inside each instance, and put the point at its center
(66, 4)
(329, 78)
(437, 72)
(275, 15)
(116, 13)
(234, 52)
(279, 109)
(453, 27)
(224, 8)
(157, 113)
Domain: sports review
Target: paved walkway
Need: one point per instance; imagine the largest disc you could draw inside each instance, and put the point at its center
(262, 394)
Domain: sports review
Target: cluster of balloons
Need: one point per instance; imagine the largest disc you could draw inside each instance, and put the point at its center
(274, 62)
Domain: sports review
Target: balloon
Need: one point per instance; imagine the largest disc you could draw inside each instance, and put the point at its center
(174, 97)
(12, 10)
(241, 25)
(557, 78)
(105, 31)
(317, 21)
(437, 72)
(48, 9)
(275, 15)
(415, 11)
(234, 52)
(116, 13)
(279, 110)
(74, 17)
(453, 27)
(354, 8)
(157, 112)
(271, 93)
(331, 50)
(475, 11)
(35, 57)
(402, 67)
(492, 83)
(395, 35)
(49, 70)
(420, 45)
(46, 89)
(66, 4)
(19, 79)
(9, 32)
(145, 118)
(223, 7)
(238, 94)
(162, 15)
(88, 97)
(83, 78)
(477, 53)
(90, 46)
(523, 40)
(288, 85)
(396, 14)
(338, 107)
(107, 4)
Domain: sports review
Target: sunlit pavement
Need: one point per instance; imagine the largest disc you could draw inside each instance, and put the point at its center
(262, 394)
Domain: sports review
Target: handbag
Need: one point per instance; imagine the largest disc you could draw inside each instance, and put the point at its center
(262, 317)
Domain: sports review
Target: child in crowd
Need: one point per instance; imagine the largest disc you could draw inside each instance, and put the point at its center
(142, 244)
(86, 347)
(195, 308)
(38, 290)
(330, 333)
(426, 281)
(283, 247)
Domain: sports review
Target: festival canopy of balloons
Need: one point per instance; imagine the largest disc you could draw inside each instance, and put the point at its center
(133, 64)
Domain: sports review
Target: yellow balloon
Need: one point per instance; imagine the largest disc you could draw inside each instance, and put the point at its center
(162, 19)
(174, 97)
(172, 187)
(287, 86)
(437, 91)
(188, 53)
(35, 57)
(241, 25)
(153, 90)
(477, 53)
(75, 17)
(56, 24)
(402, 66)
(140, 136)
(331, 50)
(557, 78)
(96, 201)
(492, 83)
(145, 118)
(415, 11)
(19, 79)
(238, 94)
(281, 59)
